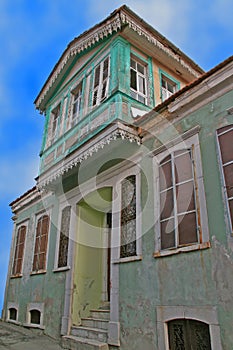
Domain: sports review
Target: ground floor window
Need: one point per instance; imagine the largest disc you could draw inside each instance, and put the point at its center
(186, 334)
(13, 314)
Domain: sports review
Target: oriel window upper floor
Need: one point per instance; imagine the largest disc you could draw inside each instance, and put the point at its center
(118, 70)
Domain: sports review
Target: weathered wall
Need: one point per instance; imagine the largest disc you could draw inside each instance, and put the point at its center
(198, 278)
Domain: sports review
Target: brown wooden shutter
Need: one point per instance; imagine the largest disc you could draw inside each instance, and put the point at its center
(41, 242)
(19, 250)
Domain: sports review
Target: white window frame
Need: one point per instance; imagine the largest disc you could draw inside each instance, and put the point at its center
(226, 198)
(76, 100)
(166, 79)
(136, 93)
(54, 123)
(37, 217)
(97, 92)
(185, 141)
(116, 218)
(12, 305)
(64, 268)
(35, 306)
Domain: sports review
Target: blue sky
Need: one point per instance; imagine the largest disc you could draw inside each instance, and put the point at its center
(33, 36)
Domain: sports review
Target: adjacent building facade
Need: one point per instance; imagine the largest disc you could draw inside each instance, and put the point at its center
(125, 242)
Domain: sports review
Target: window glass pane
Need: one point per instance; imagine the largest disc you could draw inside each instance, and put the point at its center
(140, 68)
(228, 172)
(187, 228)
(141, 99)
(185, 197)
(97, 76)
(166, 204)
(165, 174)
(132, 63)
(141, 82)
(183, 167)
(133, 94)
(226, 145)
(133, 80)
(105, 69)
(167, 234)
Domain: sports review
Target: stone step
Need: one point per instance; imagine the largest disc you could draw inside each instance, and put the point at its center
(78, 343)
(100, 314)
(90, 333)
(95, 323)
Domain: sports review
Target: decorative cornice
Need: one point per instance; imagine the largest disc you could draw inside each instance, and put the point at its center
(131, 136)
(125, 19)
(99, 32)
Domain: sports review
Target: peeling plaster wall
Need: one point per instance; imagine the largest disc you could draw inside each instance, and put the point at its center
(193, 279)
(46, 288)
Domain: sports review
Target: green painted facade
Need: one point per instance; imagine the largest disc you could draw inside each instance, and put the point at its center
(84, 168)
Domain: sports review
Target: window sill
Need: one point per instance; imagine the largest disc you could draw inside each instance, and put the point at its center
(33, 325)
(39, 272)
(14, 322)
(61, 269)
(128, 259)
(186, 249)
(19, 275)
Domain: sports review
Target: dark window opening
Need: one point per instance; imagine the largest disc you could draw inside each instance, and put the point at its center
(13, 314)
(35, 316)
(185, 334)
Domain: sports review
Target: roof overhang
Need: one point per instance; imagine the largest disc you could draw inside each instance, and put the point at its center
(117, 21)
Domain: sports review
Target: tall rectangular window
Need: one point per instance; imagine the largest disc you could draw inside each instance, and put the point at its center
(19, 250)
(225, 140)
(178, 214)
(128, 217)
(41, 243)
(77, 97)
(64, 237)
(101, 82)
(138, 80)
(54, 123)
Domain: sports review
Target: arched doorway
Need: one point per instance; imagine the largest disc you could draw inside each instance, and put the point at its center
(187, 334)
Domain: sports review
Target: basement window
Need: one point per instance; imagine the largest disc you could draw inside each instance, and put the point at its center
(13, 314)
(35, 316)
